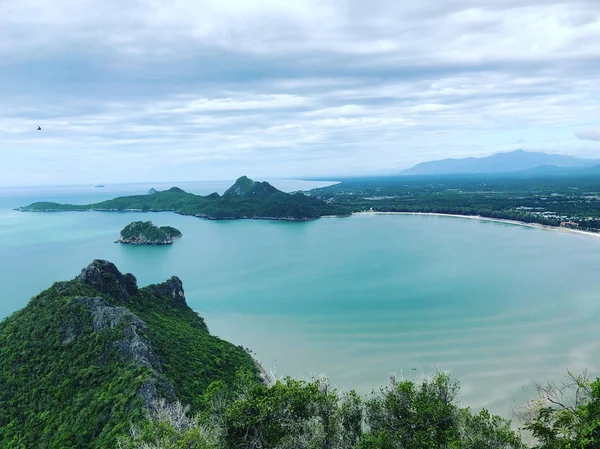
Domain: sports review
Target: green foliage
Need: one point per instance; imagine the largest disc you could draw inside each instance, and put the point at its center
(546, 200)
(245, 199)
(409, 415)
(170, 426)
(313, 415)
(191, 358)
(58, 393)
(146, 232)
(485, 431)
(171, 231)
(64, 380)
(566, 415)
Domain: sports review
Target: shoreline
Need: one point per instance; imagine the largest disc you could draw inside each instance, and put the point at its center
(482, 218)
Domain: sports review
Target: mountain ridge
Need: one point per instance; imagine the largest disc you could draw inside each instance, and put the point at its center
(513, 161)
(94, 353)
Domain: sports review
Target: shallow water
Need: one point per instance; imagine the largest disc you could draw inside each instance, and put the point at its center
(356, 298)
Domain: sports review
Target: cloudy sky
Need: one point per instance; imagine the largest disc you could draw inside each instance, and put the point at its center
(173, 90)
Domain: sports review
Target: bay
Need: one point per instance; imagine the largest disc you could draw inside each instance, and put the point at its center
(355, 298)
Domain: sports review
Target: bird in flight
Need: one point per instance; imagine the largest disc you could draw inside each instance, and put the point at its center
(39, 129)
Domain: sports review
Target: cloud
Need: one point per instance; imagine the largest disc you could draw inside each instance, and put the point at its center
(588, 134)
(317, 87)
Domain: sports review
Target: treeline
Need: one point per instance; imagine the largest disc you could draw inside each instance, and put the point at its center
(547, 201)
(406, 414)
(496, 214)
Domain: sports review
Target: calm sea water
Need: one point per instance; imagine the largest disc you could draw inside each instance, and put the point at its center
(355, 298)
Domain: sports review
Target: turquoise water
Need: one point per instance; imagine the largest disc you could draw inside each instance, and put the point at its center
(355, 298)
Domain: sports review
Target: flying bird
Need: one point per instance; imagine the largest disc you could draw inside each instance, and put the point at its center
(39, 129)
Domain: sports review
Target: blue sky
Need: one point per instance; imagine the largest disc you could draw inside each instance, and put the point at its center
(156, 90)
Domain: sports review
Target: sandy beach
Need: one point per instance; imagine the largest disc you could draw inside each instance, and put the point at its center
(479, 217)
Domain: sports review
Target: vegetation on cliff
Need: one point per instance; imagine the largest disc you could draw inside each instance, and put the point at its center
(245, 199)
(146, 233)
(86, 358)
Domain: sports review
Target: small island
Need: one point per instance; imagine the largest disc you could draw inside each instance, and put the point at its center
(146, 233)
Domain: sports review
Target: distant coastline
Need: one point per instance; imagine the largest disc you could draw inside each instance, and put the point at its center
(482, 218)
(245, 199)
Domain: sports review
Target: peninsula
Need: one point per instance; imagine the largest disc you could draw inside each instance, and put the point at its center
(246, 199)
(146, 233)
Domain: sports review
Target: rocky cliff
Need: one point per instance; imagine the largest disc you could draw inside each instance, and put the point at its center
(85, 358)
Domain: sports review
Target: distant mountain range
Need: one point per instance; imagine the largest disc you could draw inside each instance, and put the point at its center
(513, 161)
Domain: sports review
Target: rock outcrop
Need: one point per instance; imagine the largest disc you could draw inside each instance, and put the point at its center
(146, 233)
(104, 277)
(133, 347)
(172, 288)
(87, 358)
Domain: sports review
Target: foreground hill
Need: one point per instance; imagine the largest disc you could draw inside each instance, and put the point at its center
(85, 358)
(245, 199)
(498, 163)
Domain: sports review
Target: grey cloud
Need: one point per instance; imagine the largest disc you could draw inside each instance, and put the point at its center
(588, 134)
(270, 84)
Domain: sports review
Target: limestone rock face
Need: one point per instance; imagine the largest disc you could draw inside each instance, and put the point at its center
(92, 355)
(106, 278)
(133, 347)
(245, 187)
(172, 288)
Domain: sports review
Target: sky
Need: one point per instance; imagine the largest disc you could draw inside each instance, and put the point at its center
(186, 90)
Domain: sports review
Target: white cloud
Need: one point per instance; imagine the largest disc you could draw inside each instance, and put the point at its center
(217, 86)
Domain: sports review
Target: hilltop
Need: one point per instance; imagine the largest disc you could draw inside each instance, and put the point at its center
(86, 358)
(246, 199)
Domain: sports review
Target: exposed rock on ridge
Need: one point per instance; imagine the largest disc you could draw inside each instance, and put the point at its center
(172, 287)
(133, 347)
(88, 356)
(106, 278)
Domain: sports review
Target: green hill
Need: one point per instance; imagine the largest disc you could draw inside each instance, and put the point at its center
(86, 358)
(245, 199)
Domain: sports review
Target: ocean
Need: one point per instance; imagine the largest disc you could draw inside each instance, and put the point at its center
(358, 298)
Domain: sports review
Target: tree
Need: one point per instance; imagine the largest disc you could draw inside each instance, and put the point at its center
(407, 415)
(169, 426)
(564, 415)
